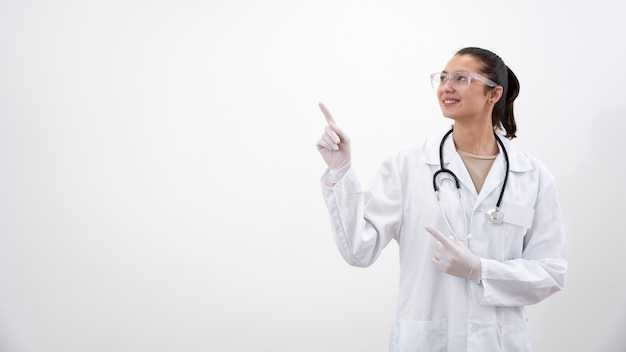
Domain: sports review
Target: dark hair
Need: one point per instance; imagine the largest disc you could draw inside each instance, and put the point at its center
(494, 68)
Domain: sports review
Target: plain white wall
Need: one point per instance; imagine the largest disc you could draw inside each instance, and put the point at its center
(159, 178)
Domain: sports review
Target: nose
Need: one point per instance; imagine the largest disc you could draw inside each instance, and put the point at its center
(446, 86)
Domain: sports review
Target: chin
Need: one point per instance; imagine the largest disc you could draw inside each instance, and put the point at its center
(447, 115)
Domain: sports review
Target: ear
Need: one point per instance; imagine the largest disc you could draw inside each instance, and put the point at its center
(496, 94)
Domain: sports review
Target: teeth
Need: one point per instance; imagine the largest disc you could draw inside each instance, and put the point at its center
(449, 101)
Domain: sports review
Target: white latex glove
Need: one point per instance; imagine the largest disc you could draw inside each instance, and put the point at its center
(454, 258)
(334, 146)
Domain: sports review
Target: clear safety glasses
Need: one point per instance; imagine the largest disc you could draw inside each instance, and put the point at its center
(458, 79)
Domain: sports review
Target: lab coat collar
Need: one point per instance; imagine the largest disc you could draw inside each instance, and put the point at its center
(518, 162)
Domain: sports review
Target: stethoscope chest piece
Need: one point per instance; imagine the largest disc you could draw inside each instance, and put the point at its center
(494, 216)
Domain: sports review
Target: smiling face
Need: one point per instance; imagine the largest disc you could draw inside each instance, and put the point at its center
(471, 103)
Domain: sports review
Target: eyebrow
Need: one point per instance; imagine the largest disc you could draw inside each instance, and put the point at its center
(444, 71)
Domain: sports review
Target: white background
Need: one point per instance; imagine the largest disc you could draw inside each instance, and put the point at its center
(159, 182)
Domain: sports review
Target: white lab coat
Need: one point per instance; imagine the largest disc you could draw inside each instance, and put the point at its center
(523, 259)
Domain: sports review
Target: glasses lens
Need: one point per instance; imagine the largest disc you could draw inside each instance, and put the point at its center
(458, 79)
(438, 78)
(461, 79)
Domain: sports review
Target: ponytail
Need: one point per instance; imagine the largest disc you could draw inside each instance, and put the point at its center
(507, 119)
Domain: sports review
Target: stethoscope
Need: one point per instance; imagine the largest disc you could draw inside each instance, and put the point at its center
(493, 216)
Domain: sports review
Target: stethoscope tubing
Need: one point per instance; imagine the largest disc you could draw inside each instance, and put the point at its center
(494, 214)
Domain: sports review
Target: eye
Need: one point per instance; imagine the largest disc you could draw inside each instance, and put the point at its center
(462, 77)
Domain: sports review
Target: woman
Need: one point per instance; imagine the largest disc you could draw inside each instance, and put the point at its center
(470, 258)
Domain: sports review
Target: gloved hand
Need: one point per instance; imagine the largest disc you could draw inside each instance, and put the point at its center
(334, 146)
(454, 258)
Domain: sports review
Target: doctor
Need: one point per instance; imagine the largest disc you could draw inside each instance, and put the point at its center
(477, 221)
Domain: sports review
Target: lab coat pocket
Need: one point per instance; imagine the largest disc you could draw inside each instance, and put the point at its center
(517, 220)
(513, 243)
(515, 338)
(414, 336)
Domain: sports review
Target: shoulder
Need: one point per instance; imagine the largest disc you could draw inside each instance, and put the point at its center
(426, 151)
(523, 163)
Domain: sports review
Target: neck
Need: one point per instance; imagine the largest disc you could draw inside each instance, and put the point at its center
(475, 139)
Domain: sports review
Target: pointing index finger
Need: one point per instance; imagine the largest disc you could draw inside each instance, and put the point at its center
(327, 114)
(438, 235)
